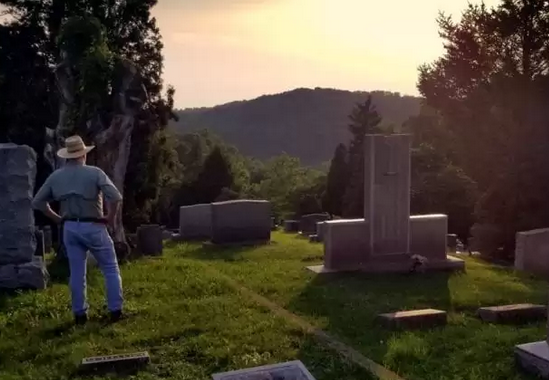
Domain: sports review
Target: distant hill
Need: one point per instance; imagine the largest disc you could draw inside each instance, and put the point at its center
(306, 123)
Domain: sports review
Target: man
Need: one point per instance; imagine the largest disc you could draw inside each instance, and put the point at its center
(79, 189)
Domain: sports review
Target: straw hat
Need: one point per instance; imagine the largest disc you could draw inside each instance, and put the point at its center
(74, 148)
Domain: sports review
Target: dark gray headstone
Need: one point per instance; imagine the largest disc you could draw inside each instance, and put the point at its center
(451, 242)
(149, 240)
(307, 224)
(241, 221)
(17, 176)
(291, 226)
(31, 275)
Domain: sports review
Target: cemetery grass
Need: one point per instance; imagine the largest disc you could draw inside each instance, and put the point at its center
(346, 307)
(191, 322)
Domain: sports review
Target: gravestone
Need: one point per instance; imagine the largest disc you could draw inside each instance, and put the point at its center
(320, 231)
(241, 222)
(451, 242)
(532, 252)
(19, 267)
(307, 223)
(115, 363)
(388, 239)
(291, 226)
(195, 222)
(413, 319)
(149, 240)
(519, 313)
(534, 357)
(294, 370)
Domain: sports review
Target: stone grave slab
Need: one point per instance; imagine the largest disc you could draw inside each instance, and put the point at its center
(294, 370)
(413, 319)
(533, 358)
(116, 363)
(149, 240)
(519, 313)
(291, 226)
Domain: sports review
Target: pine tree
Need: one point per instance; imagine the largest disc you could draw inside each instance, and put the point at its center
(364, 120)
(215, 175)
(336, 184)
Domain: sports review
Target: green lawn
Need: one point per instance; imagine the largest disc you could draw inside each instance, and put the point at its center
(192, 323)
(347, 305)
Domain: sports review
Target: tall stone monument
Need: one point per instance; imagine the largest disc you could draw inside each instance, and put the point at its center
(19, 267)
(388, 239)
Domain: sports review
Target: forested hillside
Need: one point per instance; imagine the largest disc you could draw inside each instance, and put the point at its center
(305, 123)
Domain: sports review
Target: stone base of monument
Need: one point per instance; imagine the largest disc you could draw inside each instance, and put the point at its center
(513, 314)
(413, 319)
(31, 275)
(533, 358)
(115, 363)
(397, 267)
(294, 370)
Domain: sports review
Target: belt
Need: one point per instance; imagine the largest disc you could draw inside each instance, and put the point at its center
(86, 220)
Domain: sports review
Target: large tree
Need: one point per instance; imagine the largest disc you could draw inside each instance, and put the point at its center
(490, 89)
(129, 33)
(364, 119)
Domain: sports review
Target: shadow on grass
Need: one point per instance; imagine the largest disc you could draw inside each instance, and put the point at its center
(347, 305)
(229, 253)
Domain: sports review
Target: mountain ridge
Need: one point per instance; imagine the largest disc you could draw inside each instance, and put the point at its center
(291, 121)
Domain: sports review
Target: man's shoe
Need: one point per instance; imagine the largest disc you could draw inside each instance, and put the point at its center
(80, 319)
(115, 316)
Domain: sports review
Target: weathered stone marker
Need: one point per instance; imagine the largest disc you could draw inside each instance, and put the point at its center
(19, 267)
(149, 240)
(116, 363)
(294, 370)
(451, 242)
(532, 252)
(413, 319)
(307, 224)
(520, 313)
(291, 226)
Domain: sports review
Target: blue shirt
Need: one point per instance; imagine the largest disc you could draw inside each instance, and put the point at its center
(79, 189)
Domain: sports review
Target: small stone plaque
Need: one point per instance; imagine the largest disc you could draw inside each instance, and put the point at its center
(115, 362)
(294, 370)
(519, 313)
(413, 319)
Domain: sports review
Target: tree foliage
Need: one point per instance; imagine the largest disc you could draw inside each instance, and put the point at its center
(490, 89)
(29, 99)
(364, 119)
(336, 183)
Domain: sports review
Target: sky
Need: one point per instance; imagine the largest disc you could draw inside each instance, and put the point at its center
(218, 51)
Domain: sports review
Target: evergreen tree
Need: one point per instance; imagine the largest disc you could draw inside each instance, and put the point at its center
(364, 120)
(336, 184)
(214, 177)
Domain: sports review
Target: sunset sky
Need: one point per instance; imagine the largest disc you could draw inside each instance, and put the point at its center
(218, 51)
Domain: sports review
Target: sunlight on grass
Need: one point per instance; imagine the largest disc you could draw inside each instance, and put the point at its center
(348, 305)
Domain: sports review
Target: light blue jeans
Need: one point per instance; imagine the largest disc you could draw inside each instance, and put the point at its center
(79, 238)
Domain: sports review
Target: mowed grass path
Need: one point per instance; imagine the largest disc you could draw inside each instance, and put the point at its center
(191, 321)
(346, 306)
